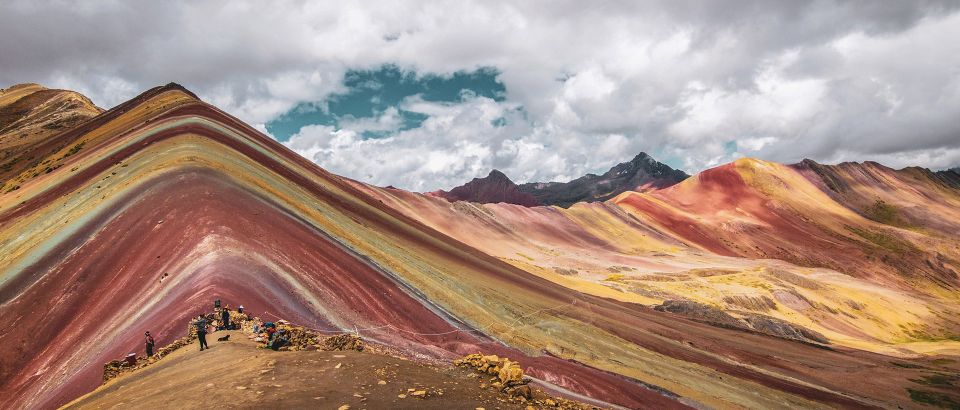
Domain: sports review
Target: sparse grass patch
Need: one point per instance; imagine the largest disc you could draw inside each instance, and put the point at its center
(565, 271)
(885, 241)
(854, 305)
(524, 256)
(933, 398)
(794, 279)
(75, 149)
(882, 212)
(616, 277)
(9, 164)
(906, 365)
(937, 379)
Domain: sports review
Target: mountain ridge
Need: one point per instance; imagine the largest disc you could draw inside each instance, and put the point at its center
(166, 203)
(642, 173)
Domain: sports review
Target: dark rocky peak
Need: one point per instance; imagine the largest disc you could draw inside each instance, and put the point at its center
(495, 176)
(645, 163)
(496, 187)
(642, 173)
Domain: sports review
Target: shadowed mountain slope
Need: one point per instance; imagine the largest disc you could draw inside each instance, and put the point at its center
(908, 198)
(30, 118)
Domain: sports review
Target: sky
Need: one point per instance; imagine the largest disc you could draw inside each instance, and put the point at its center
(427, 95)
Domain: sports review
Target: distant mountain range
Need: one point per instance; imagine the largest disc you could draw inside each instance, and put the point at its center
(640, 174)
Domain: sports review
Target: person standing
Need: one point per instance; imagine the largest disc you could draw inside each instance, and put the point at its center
(201, 325)
(225, 319)
(149, 341)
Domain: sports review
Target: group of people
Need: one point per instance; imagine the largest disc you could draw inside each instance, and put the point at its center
(202, 325)
(269, 333)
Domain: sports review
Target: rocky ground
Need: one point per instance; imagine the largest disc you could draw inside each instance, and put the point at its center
(238, 374)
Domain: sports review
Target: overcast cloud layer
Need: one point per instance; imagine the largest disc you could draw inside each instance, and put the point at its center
(587, 84)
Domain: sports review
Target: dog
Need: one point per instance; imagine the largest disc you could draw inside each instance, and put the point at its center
(224, 338)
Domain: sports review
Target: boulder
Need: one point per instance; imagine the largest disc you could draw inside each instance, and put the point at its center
(522, 391)
(510, 373)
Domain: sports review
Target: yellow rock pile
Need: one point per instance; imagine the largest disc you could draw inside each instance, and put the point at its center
(176, 344)
(300, 338)
(113, 369)
(345, 341)
(238, 318)
(508, 372)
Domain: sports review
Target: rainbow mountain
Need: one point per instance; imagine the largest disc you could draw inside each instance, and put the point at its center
(750, 285)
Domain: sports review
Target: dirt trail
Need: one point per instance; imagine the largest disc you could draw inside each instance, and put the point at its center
(236, 374)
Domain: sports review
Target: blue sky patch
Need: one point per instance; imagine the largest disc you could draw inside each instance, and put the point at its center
(379, 93)
(730, 147)
(671, 159)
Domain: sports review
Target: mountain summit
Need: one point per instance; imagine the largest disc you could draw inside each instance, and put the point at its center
(495, 187)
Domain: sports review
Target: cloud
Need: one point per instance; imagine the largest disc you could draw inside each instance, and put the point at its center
(597, 82)
(447, 145)
(389, 120)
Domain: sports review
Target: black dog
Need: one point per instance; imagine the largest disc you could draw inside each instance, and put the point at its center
(224, 339)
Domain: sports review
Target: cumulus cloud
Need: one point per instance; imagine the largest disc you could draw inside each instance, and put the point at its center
(588, 84)
(445, 145)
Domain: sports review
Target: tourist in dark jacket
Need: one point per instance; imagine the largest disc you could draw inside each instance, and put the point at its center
(201, 325)
(149, 341)
(225, 319)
